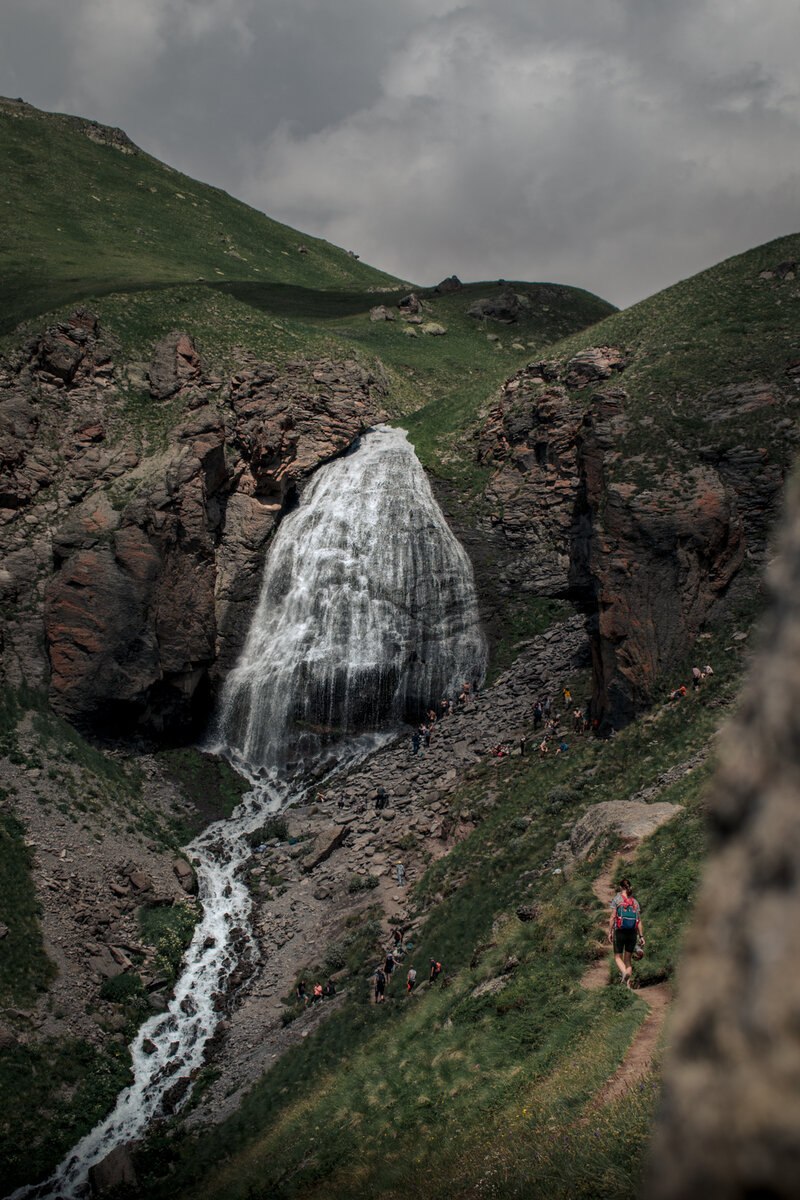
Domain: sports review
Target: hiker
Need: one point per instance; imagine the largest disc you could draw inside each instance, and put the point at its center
(562, 748)
(436, 968)
(537, 715)
(381, 798)
(416, 741)
(397, 937)
(301, 993)
(523, 743)
(329, 990)
(400, 870)
(411, 979)
(567, 696)
(317, 993)
(380, 985)
(625, 928)
(444, 706)
(431, 717)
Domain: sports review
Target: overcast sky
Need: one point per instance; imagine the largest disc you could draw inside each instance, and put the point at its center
(618, 145)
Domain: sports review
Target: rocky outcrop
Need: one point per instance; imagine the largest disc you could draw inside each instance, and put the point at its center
(731, 1103)
(659, 557)
(649, 550)
(143, 562)
(632, 819)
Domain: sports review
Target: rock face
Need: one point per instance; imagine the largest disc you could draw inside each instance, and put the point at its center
(628, 818)
(143, 563)
(731, 1108)
(650, 552)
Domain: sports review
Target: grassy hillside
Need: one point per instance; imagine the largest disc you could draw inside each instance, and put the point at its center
(725, 328)
(90, 218)
(86, 211)
(460, 1092)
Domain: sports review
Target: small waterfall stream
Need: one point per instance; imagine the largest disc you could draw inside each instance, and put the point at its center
(367, 615)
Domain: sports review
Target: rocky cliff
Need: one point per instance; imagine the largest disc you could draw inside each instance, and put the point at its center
(648, 544)
(134, 522)
(136, 546)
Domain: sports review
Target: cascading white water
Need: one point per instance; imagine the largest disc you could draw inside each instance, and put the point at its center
(367, 615)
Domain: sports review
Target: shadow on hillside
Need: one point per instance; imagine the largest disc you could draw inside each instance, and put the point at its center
(291, 300)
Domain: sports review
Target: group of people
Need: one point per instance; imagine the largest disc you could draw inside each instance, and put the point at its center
(392, 959)
(423, 736)
(320, 991)
(699, 676)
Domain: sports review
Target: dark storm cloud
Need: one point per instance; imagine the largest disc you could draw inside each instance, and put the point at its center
(613, 144)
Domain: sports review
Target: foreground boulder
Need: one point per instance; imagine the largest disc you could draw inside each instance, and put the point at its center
(729, 1125)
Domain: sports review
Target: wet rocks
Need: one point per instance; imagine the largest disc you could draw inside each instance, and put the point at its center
(113, 1170)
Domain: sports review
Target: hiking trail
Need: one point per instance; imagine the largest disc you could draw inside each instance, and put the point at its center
(639, 1057)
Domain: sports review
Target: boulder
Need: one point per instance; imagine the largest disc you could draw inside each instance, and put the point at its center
(504, 308)
(631, 819)
(325, 843)
(381, 313)
(115, 1169)
(185, 875)
(451, 284)
(730, 1108)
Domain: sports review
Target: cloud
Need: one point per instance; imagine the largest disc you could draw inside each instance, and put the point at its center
(600, 154)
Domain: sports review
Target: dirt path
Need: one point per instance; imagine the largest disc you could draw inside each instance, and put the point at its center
(639, 1058)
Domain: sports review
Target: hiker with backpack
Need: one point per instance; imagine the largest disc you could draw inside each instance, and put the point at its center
(625, 929)
(436, 968)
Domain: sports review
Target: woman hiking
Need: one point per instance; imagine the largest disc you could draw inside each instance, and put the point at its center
(624, 929)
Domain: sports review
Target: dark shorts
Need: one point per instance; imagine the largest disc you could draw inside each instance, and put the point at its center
(625, 939)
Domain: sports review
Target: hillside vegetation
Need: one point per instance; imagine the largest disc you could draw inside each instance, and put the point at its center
(87, 212)
(461, 1089)
(467, 1089)
(696, 351)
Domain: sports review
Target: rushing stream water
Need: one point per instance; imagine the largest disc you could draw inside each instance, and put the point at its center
(367, 615)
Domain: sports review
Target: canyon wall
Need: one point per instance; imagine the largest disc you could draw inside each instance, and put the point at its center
(133, 544)
(137, 502)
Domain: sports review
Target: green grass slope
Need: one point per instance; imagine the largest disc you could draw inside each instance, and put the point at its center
(86, 211)
(458, 1091)
(725, 328)
(90, 218)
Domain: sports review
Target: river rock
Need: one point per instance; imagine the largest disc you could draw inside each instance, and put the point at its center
(115, 1169)
(185, 875)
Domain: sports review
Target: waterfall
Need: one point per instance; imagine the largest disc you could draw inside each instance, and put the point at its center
(367, 614)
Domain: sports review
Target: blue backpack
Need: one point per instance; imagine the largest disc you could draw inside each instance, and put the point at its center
(627, 913)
